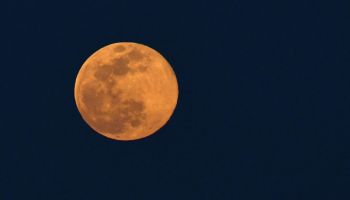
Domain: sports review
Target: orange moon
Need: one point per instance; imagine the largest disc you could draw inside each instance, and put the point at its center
(126, 91)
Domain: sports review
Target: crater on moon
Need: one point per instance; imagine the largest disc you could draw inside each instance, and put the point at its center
(124, 93)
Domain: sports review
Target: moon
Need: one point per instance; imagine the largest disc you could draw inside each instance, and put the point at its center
(126, 91)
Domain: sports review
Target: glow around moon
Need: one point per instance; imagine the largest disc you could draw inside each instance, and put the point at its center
(126, 91)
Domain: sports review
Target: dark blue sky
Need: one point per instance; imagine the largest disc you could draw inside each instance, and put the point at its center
(263, 111)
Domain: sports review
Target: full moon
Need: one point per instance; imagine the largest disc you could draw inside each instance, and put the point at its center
(126, 91)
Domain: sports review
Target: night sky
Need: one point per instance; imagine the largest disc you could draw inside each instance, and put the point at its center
(263, 109)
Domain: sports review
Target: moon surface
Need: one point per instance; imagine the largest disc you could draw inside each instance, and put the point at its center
(126, 91)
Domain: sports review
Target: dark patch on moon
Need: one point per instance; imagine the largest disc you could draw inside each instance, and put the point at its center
(142, 68)
(135, 112)
(120, 66)
(119, 48)
(136, 55)
(115, 98)
(135, 123)
(91, 97)
(103, 72)
(121, 113)
(133, 106)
